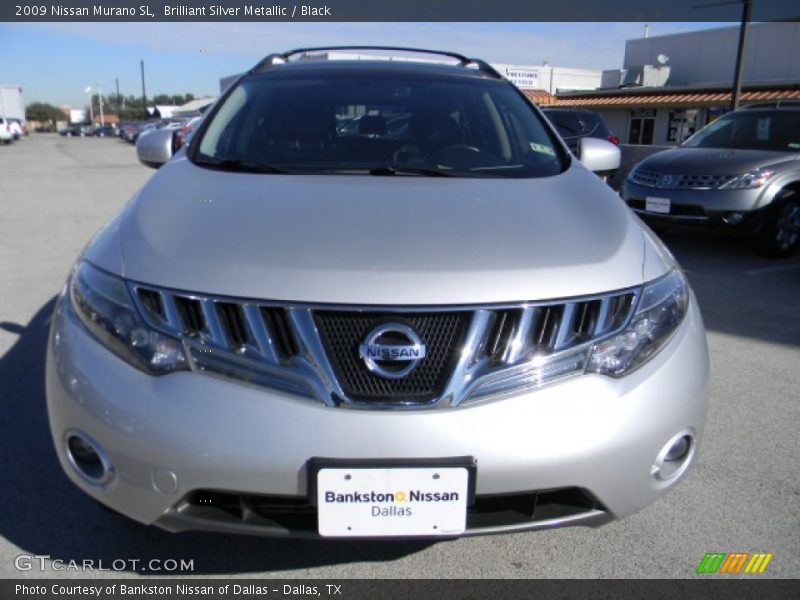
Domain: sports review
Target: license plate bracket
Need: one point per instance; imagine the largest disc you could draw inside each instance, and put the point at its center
(658, 205)
(392, 498)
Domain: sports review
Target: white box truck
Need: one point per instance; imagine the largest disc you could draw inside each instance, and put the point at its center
(12, 105)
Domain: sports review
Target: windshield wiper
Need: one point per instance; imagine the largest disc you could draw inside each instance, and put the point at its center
(394, 170)
(243, 166)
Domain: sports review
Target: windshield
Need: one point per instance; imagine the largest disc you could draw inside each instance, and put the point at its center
(751, 130)
(381, 123)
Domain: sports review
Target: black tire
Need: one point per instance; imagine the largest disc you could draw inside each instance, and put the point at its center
(780, 235)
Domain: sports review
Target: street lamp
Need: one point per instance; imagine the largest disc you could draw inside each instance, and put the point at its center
(88, 90)
(100, 102)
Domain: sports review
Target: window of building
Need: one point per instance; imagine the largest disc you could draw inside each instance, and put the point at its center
(642, 126)
(682, 124)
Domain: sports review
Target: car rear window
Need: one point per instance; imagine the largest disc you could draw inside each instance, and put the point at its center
(351, 121)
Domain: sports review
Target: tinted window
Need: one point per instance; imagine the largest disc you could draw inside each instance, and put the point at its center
(571, 124)
(361, 121)
(751, 129)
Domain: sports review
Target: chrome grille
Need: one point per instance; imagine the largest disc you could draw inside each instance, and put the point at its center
(676, 181)
(472, 352)
(642, 177)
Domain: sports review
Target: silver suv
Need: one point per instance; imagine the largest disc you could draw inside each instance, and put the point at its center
(739, 174)
(375, 298)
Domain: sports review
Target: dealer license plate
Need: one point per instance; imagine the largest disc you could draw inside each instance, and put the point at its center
(657, 205)
(364, 502)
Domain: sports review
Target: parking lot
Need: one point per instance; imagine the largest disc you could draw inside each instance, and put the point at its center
(743, 495)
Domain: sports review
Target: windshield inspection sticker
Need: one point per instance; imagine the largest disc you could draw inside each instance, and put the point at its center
(542, 149)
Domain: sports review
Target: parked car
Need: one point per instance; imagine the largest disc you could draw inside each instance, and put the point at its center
(185, 131)
(104, 131)
(17, 127)
(456, 331)
(741, 173)
(575, 124)
(76, 130)
(126, 130)
(6, 133)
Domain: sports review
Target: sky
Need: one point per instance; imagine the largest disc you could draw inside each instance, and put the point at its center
(55, 62)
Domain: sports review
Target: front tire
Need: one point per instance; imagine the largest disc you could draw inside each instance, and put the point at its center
(780, 235)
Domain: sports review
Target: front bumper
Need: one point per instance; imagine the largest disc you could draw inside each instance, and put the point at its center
(700, 208)
(176, 438)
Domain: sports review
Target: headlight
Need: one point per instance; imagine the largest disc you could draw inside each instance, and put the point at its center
(753, 179)
(104, 306)
(661, 309)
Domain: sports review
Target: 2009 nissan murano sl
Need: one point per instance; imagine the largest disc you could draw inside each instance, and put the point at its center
(375, 298)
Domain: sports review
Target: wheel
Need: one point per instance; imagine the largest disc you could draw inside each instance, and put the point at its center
(780, 235)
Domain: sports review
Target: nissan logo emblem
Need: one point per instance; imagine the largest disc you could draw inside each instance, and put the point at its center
(392, 350)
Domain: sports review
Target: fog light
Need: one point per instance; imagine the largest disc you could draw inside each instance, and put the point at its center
(733, 218)
(88, 459)
(674, 458)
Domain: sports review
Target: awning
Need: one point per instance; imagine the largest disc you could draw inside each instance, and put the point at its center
(676, 98)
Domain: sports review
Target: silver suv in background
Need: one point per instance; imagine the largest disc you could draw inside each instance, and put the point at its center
(375, 299)
(740, 173)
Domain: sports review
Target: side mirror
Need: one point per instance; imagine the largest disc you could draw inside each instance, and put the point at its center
(155, 147)
(599, 155)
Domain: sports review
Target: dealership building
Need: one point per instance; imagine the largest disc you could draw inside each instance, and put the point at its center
(672, 85)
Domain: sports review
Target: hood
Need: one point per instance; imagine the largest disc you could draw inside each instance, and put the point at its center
(379, 240)
(712, 161)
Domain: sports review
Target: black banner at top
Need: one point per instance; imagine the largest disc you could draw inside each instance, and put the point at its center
(396, 10)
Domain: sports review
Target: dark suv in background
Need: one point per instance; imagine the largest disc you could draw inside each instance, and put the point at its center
(574, 124)
(740, 173)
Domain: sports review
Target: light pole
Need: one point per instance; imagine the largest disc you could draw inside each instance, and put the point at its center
(100, 101)
(88, 90)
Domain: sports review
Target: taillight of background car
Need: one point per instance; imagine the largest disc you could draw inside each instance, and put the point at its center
(613, 139)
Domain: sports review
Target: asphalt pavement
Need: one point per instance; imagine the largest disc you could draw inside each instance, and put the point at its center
(742, 496)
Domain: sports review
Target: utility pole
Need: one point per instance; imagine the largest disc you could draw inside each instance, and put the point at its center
(100, 101)
(737, 77)
(88, 90)
(119, 100)
(144, 94)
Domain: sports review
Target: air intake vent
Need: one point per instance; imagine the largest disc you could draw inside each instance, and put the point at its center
(233, 323)
(586, 319)
(499, 336)
(152, 302)
(191, 313)
(544, 337)
(277, 323)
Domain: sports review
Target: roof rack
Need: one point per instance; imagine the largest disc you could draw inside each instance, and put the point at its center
(776, 104)
(463, 61)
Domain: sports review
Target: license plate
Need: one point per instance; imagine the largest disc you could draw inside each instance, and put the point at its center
(657, 205)
(395, 501)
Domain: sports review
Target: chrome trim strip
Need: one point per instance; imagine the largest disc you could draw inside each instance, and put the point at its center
(314, 354)
(176, 521)
(468, 365)
(255, 322)
(602, 317)
(668, 216)
(397, 308)
(171, 310)
(213, 325)
(565, 333)
(517, 346)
